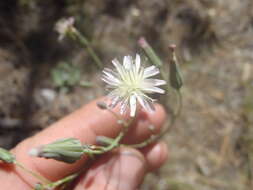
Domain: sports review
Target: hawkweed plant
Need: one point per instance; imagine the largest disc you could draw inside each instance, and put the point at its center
(130, 86)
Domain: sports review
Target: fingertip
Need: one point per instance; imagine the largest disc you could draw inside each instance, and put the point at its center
(156, 155)
(158, 117)
(146, 124)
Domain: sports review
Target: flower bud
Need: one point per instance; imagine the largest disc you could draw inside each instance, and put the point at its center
(67, 150)
(150, 52)
(102, 105)
(6, 156)
(175, 75)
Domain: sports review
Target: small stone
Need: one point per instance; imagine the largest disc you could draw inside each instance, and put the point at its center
(48, 94)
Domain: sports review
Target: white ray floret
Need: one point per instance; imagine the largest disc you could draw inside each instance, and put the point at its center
(130, 83)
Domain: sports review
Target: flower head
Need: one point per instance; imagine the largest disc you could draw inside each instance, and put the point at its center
(130, 83)
(64, 26)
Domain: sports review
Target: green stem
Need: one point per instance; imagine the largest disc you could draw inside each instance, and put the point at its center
(115, 143)
(61, 181)
(154, 58)
(85, 43)
(39, 177)
(170, 125)
(180, 103)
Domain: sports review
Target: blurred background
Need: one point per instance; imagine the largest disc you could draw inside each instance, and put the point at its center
(43, 79)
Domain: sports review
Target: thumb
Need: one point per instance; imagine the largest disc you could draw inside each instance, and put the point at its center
(122, 169)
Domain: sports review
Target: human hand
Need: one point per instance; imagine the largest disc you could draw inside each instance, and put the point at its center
(122, 169)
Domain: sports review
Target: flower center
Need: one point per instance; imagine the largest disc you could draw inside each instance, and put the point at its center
(130, 86)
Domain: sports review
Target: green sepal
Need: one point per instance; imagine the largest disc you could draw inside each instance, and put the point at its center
(176, 80)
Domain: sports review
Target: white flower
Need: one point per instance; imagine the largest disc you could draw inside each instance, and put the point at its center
(130, 83)
(64, 26)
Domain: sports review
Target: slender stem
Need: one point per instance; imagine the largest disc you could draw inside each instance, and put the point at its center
(115, 143)
(170, 125)
(180, 103)
(84, 42)
(39, 177)
(61, 181)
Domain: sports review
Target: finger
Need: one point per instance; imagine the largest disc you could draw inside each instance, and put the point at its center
(125, 169)
(156, 155)
(84, 124)
(145, 125)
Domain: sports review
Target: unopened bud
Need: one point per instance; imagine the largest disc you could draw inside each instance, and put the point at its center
(102, 105)
(6, 156)
(175, 74)
(66, 150)
(150, 52)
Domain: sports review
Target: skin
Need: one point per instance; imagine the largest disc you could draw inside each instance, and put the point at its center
(123, 168)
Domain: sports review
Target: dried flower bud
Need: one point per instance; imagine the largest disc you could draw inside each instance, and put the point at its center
(175, 74)
(102, 105)
(67, 150)
(65, 26)
(6, 156)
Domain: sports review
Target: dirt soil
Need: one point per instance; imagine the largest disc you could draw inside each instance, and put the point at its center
(211, 147)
